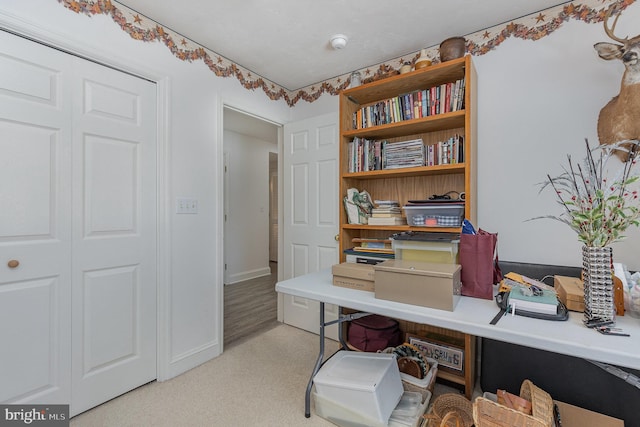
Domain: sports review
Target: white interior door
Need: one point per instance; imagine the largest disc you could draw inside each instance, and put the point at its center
(310, 216)
(35, 199)
(114, 234)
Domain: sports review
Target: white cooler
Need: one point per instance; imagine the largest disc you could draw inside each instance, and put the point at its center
(367, 383)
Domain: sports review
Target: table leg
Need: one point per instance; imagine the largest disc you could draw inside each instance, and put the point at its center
(316, 368)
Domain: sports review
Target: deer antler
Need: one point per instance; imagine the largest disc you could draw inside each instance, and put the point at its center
(609, 31)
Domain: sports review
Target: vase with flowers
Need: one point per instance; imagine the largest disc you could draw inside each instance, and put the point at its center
(599, 205)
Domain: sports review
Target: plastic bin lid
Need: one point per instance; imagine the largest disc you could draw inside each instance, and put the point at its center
(355, 370)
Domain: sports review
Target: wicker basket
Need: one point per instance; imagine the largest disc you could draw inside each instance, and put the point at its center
(487, 413)
(447, 403)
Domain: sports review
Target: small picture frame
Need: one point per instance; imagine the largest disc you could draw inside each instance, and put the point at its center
(449, 356)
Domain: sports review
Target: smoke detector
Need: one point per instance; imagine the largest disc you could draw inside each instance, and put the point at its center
(339, 41)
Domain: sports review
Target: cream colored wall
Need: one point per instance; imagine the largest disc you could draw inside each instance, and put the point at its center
(247, 226)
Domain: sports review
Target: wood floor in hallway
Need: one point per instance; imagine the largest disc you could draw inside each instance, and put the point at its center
(250, 307)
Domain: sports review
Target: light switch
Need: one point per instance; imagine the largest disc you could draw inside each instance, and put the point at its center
(186, 205)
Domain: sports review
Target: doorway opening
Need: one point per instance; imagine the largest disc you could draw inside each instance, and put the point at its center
(250, 146)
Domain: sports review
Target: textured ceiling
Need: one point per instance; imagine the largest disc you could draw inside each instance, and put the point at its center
(287, 41)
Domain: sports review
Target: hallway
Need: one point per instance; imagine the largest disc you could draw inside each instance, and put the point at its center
(250, 307)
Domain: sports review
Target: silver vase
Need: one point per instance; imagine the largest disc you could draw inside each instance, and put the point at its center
(597, 270)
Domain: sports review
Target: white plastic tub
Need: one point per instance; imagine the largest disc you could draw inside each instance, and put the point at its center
(366, 383)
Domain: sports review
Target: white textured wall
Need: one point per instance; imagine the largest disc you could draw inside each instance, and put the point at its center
(537, 102)
(247, 227)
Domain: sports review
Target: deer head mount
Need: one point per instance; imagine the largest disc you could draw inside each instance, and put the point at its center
(619, 120)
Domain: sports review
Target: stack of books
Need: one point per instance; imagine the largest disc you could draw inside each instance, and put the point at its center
(372, 245)
(404, 154)
(547, 303)
(387, 212)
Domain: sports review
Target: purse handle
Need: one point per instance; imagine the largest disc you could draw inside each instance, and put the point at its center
(451, 416)
(444, 422)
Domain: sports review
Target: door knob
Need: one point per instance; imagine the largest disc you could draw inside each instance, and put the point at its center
(337, 237)
(13, 263)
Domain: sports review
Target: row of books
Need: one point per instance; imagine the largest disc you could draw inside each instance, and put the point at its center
(369, 155)
(446, 152)
(439, 99)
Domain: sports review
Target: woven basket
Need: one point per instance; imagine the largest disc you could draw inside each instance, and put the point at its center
(487, 413)
(446, 403)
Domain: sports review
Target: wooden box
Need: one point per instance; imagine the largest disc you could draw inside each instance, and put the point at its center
(419, 283)
(570, 291)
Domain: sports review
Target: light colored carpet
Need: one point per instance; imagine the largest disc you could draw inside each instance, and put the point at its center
(258, 381)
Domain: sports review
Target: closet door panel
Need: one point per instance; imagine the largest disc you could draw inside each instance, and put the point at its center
(35, 244)
(114, 234)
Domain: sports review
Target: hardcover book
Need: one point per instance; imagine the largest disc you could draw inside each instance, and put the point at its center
(545, 303)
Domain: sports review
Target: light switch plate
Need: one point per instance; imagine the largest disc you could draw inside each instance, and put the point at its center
(186, 205)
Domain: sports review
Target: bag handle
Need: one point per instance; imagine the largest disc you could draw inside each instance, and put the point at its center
(451, 416)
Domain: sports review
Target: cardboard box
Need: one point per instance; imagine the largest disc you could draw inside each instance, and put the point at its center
(570, 291)
(354, 276)
(351, 283)
(419, 283)
(573, 416)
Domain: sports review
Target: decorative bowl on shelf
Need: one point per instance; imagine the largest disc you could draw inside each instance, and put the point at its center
(452, 48)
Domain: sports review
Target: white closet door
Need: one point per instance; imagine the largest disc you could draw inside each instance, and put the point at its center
(78, 214)
(35, 200)
(114, 234)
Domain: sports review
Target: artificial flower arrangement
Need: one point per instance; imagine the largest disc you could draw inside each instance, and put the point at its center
(599, 209)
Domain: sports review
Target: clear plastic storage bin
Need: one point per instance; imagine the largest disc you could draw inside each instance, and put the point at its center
(434, 215)
(367, 383)
(442, 250)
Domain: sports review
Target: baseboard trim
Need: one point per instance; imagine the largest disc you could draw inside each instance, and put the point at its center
(247, 275)
(191, 359)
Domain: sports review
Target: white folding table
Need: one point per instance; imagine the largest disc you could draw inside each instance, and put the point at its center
(472, 316)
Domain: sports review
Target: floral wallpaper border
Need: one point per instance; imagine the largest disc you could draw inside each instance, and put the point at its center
(531, 27)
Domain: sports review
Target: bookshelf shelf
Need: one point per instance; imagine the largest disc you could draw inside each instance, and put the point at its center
(443, 121)
(399, 228)
(416, 171)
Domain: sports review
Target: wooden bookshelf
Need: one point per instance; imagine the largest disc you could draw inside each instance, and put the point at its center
(415, 183)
